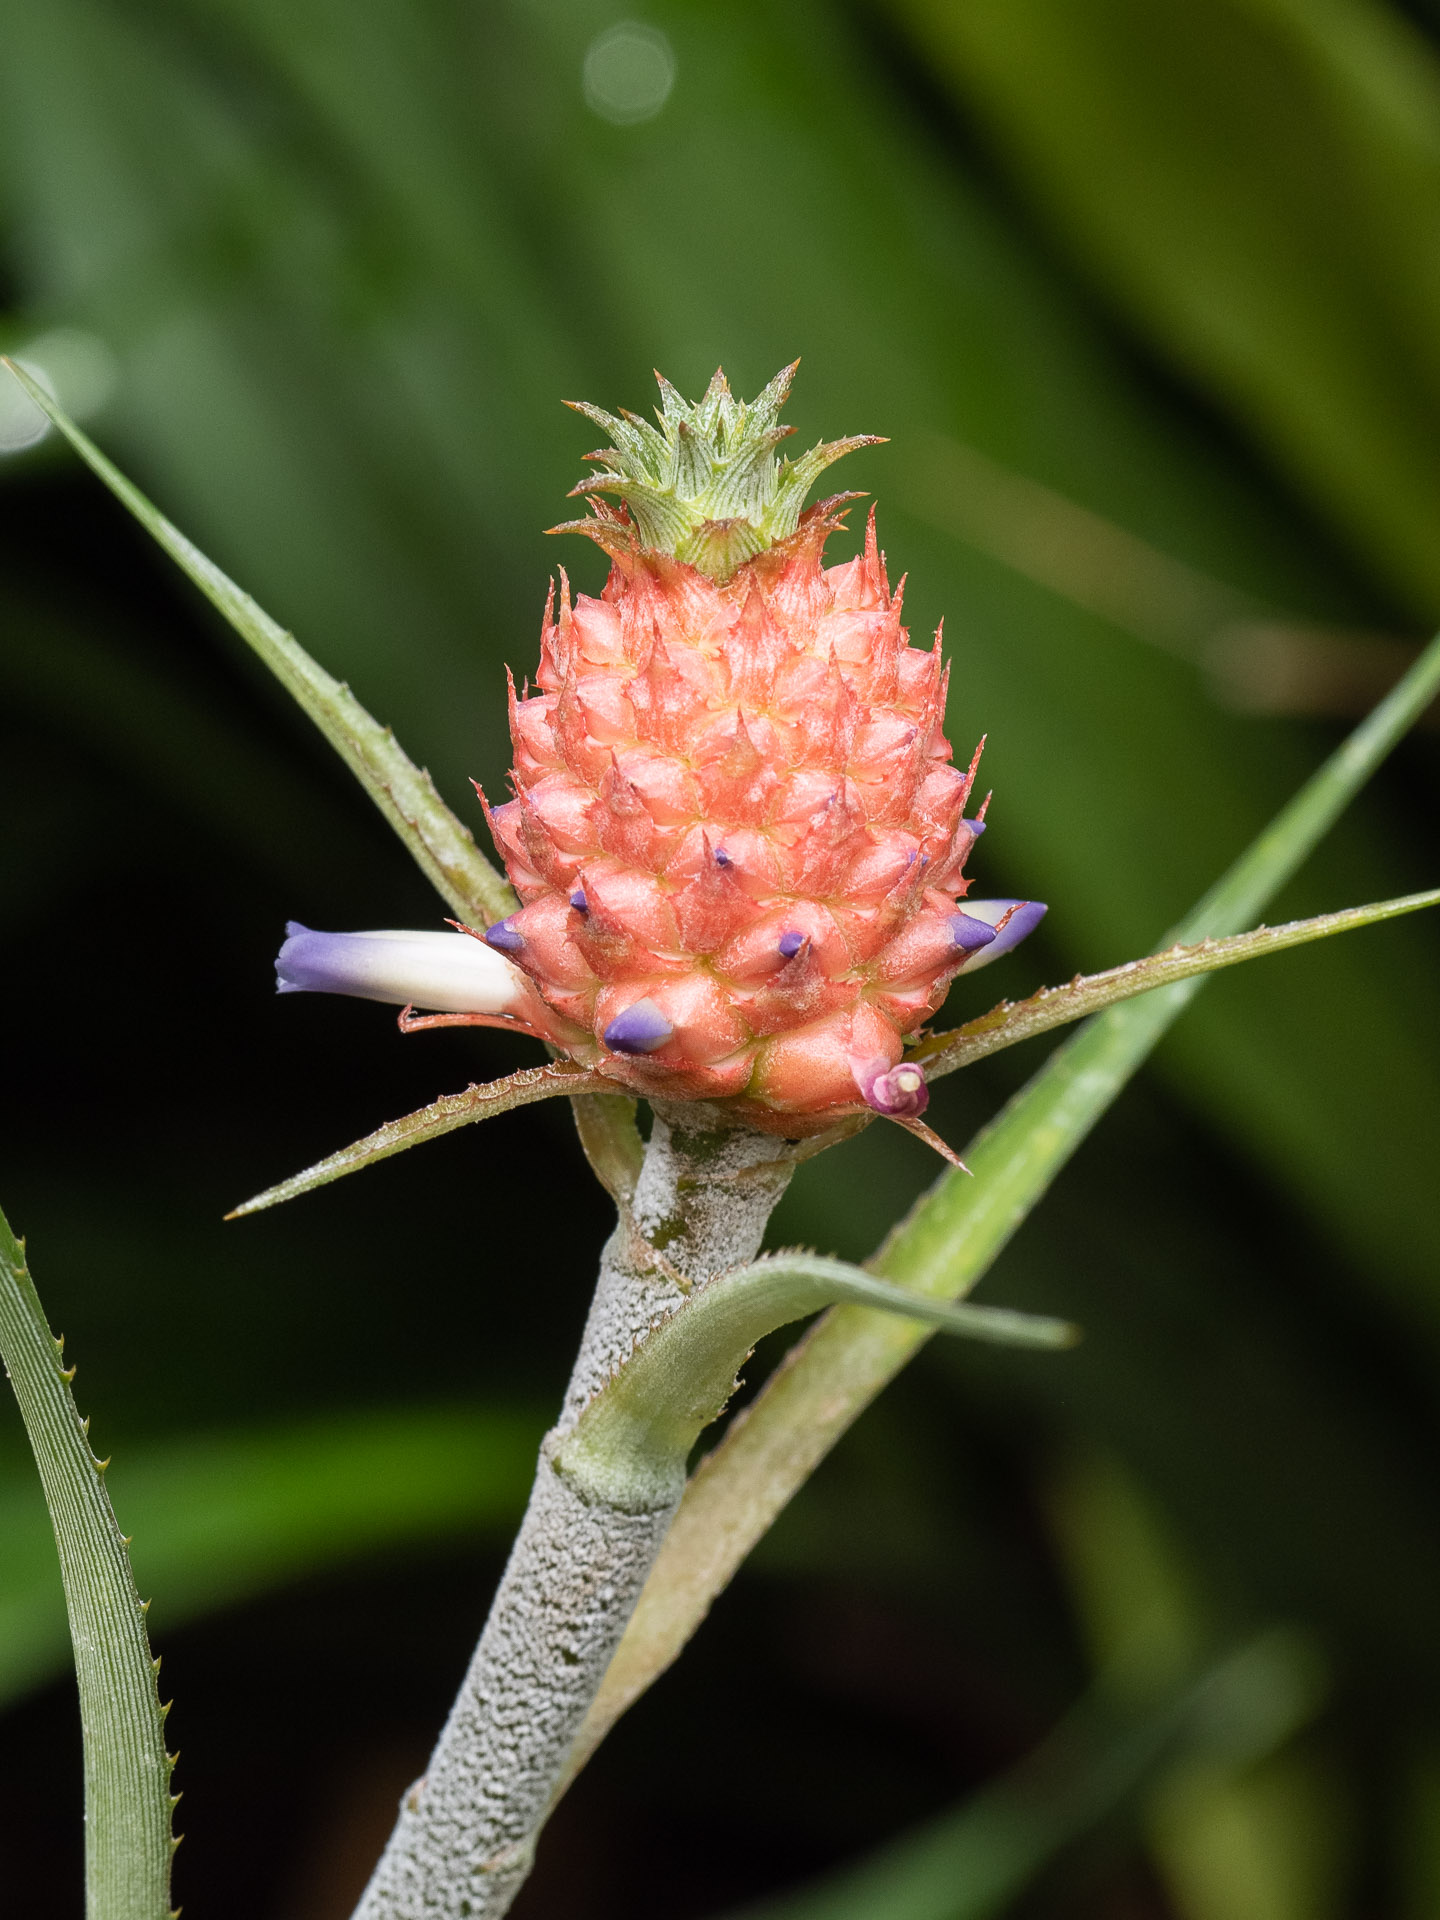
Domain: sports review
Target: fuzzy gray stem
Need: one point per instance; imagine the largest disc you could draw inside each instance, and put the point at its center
(467, 1831)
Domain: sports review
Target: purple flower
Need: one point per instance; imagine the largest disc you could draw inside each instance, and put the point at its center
(1011, 921)
(504, 938)
(641, 1028)
(900, 1092)
(447, 972)
(970, 933)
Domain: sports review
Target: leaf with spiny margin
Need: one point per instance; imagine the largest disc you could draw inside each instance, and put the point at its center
(1011, 1022)
(219, 1516)
(128, 1844)
(673, 405)
(445, 1115)
(717, 411)
(440, 844)
(630, 1445)
(804, 472)
(764, 409)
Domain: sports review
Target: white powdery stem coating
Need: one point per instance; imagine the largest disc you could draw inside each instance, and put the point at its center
(467, 1831)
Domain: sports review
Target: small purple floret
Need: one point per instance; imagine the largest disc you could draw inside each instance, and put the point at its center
(1027, 916)
(969, 934)
(722, 858)
(579, 902)
(897, 1092)
(301, 966)
(641, 1028)
(1011, 920)
(791, 943)
(504, 938)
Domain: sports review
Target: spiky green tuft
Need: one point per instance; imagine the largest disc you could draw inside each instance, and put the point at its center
(707, 484)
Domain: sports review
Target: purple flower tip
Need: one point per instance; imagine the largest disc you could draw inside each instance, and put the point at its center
(1011, 920)
(897, 1092)
(579, 902)
(977, 827)
(722, 858)
(969, 934)
(503, 937)
(791, 943)
(449, 972)
(641, 1028)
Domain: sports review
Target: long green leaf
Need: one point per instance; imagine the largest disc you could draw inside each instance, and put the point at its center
(454, 1110)
(441, 845)
(221, 1516)
(1087, 994)
(952, 1237)
(128, 1845)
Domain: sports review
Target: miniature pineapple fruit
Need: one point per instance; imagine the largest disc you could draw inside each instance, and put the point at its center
(737, 833)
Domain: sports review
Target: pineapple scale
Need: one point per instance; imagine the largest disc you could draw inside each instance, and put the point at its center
(737, 832)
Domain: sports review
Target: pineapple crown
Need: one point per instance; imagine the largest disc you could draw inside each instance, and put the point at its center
(705, 485)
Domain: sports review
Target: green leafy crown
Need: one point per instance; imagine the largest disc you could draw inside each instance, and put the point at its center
(705, 485)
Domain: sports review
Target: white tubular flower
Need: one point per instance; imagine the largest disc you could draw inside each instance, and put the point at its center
(446, 972)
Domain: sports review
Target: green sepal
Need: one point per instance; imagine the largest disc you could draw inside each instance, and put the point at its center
(631, 1443)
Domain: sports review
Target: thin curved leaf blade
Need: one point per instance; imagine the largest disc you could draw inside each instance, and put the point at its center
(1007, 1024)
(442, 1116)
(128, 1845)
(441, 845)
(220, 1517)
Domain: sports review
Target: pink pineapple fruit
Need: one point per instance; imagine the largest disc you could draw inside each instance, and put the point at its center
(737, 833)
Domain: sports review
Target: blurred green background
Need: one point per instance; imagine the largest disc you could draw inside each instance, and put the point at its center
(1147, 300)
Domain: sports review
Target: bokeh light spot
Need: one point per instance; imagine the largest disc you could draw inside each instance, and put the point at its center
(74, 367)
(629, 71)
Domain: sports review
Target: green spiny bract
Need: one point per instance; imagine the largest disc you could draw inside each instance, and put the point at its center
(706, 485)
